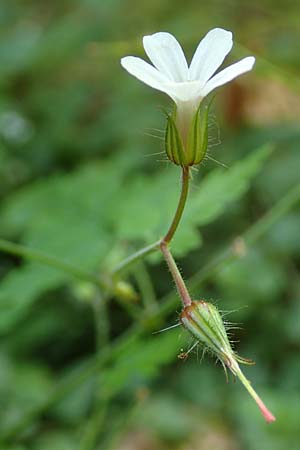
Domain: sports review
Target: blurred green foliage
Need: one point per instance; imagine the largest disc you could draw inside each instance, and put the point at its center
(83, 180)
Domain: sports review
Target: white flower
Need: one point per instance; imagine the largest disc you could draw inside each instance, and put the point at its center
(171, 74)
(186, 85)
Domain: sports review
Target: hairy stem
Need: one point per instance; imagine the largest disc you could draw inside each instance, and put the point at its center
(140, 254)
(69, 383)
(164, 244)
(179, 282)
(264, 410)
(124, 265)
(180, 207)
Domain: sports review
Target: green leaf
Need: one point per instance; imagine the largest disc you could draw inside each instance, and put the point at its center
(63, 217)
(23, 386)
(251, 282)
(141, 361)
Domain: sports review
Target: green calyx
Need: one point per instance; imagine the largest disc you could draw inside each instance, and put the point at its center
(203, 320)
(192, 150)
(198, 134)
(173, 142)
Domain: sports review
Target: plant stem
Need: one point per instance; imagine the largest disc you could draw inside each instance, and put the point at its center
(101, 319)
(273, 215)
(163, 244)
(180, 284)
(37, 255)
(94, 426)
(69, 383)
(145, 286)
(175, 272)
(181, 204)
(126, 263)
(264, 410)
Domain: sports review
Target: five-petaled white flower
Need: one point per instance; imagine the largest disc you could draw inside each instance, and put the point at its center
(186, 85)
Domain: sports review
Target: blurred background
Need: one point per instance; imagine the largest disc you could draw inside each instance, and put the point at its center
(83, 182)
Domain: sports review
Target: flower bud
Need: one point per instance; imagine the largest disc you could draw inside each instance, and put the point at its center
(187, 145)
(204, 322)
(125, 292)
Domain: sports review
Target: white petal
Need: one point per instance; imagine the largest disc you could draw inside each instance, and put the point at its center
(167, 55)
(228, 74)
(144, 72)
(184, 92)
(210, 54)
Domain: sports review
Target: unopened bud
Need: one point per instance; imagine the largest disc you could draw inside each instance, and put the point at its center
(85, 291)
(205, 323)
(125, 291)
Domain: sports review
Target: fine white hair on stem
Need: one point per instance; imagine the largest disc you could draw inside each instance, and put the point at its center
(167, 328)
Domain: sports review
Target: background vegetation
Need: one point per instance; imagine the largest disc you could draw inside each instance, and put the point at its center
(82, 182)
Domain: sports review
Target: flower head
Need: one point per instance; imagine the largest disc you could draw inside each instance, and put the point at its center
(171, 74)
(186, 84)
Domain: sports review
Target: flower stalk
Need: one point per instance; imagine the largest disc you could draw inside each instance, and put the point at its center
(164, 243)
(264, 410)
(175, 272)
(180, 207)
(186, 141)
(134, 257)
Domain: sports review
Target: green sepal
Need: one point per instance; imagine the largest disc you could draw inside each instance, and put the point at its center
(198, 134)
(204, 321)
(246, 361)
(173, 143)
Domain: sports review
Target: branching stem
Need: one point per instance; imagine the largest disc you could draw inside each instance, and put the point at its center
(164, 244)
(175, 272)
(140, 254)
(69, 383)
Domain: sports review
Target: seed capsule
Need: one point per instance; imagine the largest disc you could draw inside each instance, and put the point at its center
(203, 320)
